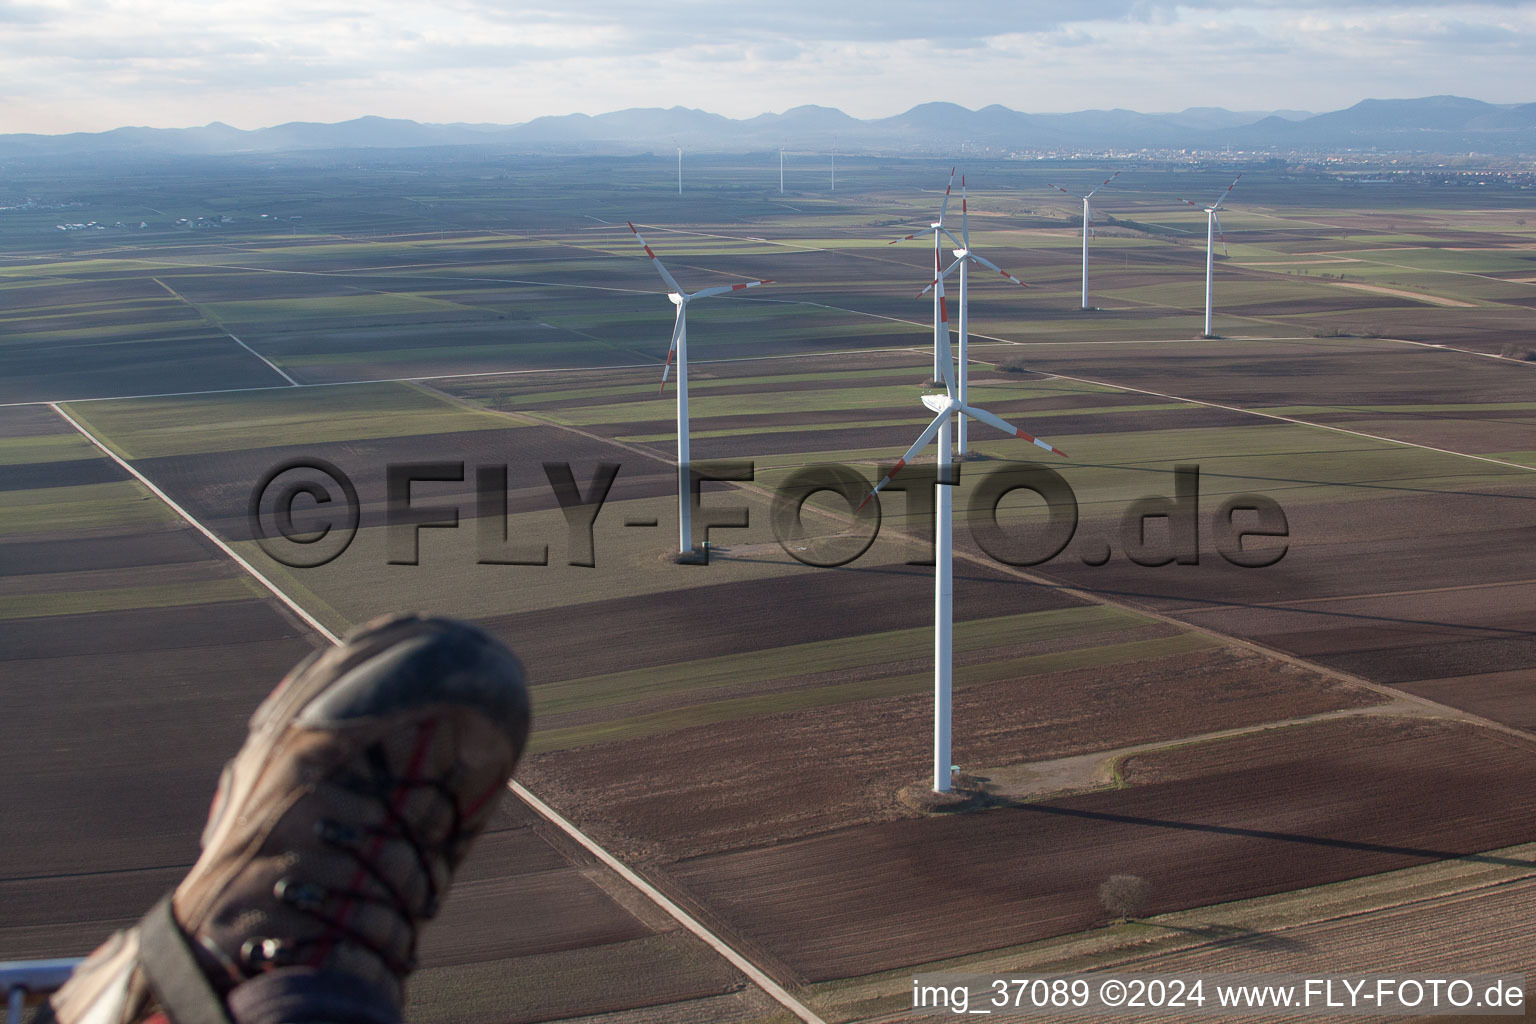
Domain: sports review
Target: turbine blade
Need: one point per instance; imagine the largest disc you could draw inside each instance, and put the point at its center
(1219, 233)
(965, 223)
(1101, 184)
(908, 238)
(922, 439)
(957, 243)
(1217, 204)
(941, 339)
(724, 288)
(935, 281)
(677, 329)
(1186, 202)
(993, 266)
(656, 262)
(1007, 428)
(1064, 192)
(945, 205)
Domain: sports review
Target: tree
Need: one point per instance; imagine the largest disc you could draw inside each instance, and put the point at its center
(1124, 895)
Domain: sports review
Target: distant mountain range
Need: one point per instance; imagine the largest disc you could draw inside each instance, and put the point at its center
(1435, 124)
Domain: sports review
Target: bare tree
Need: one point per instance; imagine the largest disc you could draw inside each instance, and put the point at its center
(1124, 895)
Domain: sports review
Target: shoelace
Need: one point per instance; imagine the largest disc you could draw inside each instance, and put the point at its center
(334, 907)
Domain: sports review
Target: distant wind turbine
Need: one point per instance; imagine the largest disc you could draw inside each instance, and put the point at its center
(946, 405)
(781, 170)
(1212, 231)
(964, 256)
(679, 346)
(938, 230)
(1087, 226)
(679, 170)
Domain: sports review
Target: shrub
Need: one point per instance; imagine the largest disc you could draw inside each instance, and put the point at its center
(1124, 895)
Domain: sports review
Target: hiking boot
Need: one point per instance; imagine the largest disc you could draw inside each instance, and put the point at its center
(335, 831)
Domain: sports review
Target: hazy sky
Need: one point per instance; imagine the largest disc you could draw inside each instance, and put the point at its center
(73, 65)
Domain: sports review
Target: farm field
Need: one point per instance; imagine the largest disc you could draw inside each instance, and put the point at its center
(739, 733)
(126, 634)
(1266, 814)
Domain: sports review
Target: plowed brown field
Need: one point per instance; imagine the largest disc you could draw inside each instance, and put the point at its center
(1205, 824)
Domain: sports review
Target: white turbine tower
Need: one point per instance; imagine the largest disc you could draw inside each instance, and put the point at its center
(679, 171)
(1087, 225)
(679, 347)
(1212, 231)
(781, 170)
(937, 229)
(945, 406)
(964, 256)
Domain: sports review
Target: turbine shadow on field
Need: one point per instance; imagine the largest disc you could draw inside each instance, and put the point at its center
(1228, 936)
(1284, 837)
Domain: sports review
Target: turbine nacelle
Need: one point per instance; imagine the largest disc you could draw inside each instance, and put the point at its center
(939, 403)
(677, 298)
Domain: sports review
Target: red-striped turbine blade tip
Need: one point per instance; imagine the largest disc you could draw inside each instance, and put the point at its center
(943, 310)
(1042, 444)
(1038, 443)
(883, 481)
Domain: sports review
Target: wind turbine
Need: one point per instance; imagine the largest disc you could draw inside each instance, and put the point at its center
(964, 256)
(1212, 230)
(1087, 226)
(937, 229)
(679, 170)
(679, 346)
(945, 406)
(781, 170)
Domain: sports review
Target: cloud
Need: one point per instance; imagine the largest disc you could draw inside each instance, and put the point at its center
(193, 61)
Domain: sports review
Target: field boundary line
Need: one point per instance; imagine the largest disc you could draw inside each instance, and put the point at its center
(741, 963)
(270, 364)
(276, 591)
(278, 369)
